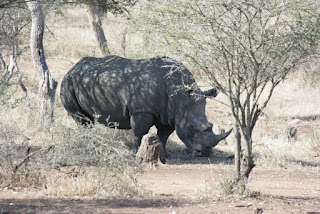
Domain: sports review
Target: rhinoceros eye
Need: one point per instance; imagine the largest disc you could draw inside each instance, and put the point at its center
(191, 92)
(191, 128)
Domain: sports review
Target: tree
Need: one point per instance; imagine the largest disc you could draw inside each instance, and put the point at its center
(47, 85)
(13, 30)
(94, 18)
(94, 9)
(245, 48)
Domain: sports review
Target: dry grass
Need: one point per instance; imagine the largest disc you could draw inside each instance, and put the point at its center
(293, 98)
(68, 161)
(64, 159)
(283, 153)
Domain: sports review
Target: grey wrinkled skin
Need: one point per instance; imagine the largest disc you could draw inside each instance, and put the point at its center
(138, 94)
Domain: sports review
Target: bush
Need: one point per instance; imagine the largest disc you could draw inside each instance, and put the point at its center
(91, 161)
(67, 161)
(7, 93)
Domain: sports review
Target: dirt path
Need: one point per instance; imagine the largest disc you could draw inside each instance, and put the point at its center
(189, 182)
(181, 188)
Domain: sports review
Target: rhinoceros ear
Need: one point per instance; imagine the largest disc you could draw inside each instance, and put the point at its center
(213, 92)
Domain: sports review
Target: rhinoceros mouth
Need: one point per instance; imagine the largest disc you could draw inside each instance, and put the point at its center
(203, 153)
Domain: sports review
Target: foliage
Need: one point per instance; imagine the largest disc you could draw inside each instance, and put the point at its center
(98, 153)
(14, 23)
(113, 6)
(244, 48)
(7, 92)
(92, 145)
(11, 3)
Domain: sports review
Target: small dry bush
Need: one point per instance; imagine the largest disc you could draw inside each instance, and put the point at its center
(85, 161)
(91, 161)
(283, 153)
(222, 185)
(13, 149)
(315, 143)
(225, 187)
(63, 159)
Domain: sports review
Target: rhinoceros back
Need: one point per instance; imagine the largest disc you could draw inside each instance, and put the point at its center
(115, 88)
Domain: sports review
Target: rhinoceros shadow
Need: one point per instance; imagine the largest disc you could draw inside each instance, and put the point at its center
(179, 154)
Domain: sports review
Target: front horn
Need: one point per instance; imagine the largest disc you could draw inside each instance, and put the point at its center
(216, 139)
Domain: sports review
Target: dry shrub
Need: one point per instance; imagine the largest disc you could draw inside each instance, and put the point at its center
(223, 187)
(92, 181)
(12, 142)
(82, 161)
(97, 161)
(283, 153)
(228, 187)
(63, 159)
(314, 144)
(310, 73)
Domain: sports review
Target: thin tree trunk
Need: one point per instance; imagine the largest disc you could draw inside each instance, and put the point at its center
(237, 156)
(47, 85)
(11, 67)
(8, 70)
(16, 53)
(123, 44)
(94, 18)
(248, 164)
(3, 64)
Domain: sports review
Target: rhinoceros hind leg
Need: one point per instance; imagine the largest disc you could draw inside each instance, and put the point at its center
(140, 124)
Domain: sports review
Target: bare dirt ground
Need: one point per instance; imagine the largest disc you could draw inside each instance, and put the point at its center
(181, 186)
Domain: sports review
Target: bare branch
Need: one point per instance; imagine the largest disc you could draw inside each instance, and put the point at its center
(4, 67)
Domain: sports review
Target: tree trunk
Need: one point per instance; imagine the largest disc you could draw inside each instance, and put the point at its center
(3, 64)
(47, 85)
(151, 151)
(123, 44)
(8, 70)
(94, 18)
(248, 163)
(237, 156)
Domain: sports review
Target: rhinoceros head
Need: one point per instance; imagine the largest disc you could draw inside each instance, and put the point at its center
(191, 123)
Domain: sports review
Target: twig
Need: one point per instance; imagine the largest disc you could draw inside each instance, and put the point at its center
(26, 159)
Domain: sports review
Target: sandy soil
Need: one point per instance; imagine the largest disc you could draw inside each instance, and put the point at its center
(179, 187)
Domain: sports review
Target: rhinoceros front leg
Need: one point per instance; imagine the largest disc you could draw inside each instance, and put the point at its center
(163, 134)
(140, 124)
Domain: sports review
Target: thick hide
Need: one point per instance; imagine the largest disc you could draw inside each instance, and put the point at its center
(137, 94)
